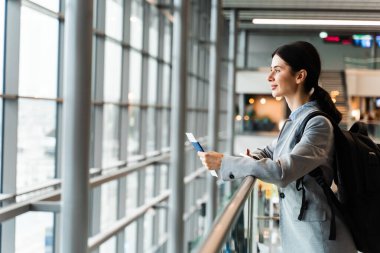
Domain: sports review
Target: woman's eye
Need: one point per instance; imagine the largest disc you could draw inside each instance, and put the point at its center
(277, 70)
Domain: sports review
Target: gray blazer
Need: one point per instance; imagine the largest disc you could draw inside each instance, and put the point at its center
(282, 163)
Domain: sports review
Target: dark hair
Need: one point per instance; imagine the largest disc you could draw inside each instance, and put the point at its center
(303, 55)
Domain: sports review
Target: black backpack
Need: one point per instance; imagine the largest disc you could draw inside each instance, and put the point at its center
(357, 175)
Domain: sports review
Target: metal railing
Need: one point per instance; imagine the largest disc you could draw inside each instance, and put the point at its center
(219, 232)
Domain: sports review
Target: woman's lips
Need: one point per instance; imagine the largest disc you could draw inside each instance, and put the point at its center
(273, 87)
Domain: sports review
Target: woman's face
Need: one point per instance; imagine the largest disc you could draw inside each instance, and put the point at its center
(281, 78)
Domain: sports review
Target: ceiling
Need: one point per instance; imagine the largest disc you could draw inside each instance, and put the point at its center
(304, 9)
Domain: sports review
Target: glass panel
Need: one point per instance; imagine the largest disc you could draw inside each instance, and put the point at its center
(166, 85)
(130, 238)
(164, 180)
(165, 128)
(162, 213)
(136, 24)
(152, 81)
(135, 62)
(109, 206)
(148, 229)
(149, 183)
(112, 72)
(151, 130)
(109, 246)
(133, 130)
(153, 31)
(2, 19)
(131, 202)
(111, 125)
(35, 145)
(49, 4)
(114, 18)
(38, 54)
(167, 41)
(34, 232)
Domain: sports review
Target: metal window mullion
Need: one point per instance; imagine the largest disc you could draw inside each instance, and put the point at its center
(213, 97)
(158, 128)
(10, 116)
(76, 115)
(59, 125)
(98, 114)
(178, 123)
(124, 122)
(231, 82)
(143, 126)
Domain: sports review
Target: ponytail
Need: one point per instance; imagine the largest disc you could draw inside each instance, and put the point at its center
(325, 103)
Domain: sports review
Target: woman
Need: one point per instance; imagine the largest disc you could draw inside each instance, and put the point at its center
(294, 74)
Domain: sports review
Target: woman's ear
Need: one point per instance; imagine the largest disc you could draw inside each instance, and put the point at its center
(301, 76)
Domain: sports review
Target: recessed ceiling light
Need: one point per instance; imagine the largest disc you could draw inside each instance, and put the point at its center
(264, 21)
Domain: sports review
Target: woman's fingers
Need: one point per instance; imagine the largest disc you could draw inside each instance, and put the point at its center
(211, 160)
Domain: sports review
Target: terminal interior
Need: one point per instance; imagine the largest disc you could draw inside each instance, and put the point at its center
(97, 95)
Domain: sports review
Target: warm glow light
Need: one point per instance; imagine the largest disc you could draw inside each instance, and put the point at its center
(278, 98)
(263, 101)
(251, 101)
(334, 100)
(238, 117)
(266, 21)
(334, 93)
(355, 114)
(246, 117)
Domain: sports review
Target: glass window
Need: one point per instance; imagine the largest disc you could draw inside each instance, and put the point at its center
(153, 31)
(148, 229)
(112, 72)
(133, 130)
(167, 41)
(166, 85)
(49, 4)
(34, 232)
(165, 128)
(130, 238)
(149, 183)
(152, 81)
(2, 20)
(109, 246)
(151, 130)
(109, 204)
(134, 91)
(38, 54)
(114, 18)
(131, 204)
(111, 134)
(136, 18)
(36, 145)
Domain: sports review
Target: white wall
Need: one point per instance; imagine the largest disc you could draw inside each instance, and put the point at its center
(252, 82)
(363, 82)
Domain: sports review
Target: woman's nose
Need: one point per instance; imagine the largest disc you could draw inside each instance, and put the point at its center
(270, 77)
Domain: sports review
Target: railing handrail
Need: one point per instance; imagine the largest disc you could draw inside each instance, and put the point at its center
(218, 233)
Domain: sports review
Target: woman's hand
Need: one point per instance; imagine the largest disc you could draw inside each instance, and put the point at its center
(211, 160)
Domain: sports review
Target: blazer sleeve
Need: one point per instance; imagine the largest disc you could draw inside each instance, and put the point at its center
(266, 152)
(312, 151)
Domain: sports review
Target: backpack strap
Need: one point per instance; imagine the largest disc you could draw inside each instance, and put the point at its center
(318, 175)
